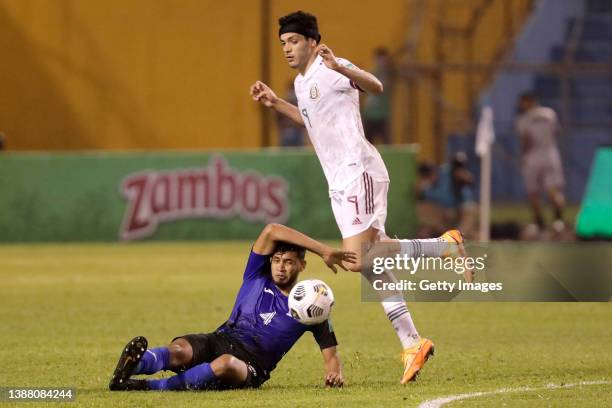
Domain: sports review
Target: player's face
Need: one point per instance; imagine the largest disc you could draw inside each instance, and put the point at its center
(297, 49)
(286, 267)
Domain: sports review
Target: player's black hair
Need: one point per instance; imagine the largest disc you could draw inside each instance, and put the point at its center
(283, 247)
(300, 22)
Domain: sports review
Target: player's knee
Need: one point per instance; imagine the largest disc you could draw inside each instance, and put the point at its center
(181, 353)
(225, 366)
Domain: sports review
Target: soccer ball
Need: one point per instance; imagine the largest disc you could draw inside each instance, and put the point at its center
(310, 301)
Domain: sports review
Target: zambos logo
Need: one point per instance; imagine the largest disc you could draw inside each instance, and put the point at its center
(216, 191)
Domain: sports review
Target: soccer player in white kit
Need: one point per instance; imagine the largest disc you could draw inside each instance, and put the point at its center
(538, 128)
(327, 90)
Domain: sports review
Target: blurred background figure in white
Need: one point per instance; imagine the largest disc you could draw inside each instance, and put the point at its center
(537, 128)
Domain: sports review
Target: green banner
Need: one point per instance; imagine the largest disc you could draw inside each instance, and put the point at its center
(594, 220)
(179, 195)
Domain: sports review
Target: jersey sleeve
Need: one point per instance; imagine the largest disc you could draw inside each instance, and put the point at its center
(257, 266)
(342, 83)
(324, 334)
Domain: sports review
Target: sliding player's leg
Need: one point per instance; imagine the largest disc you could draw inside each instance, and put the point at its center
(225, 371)
(202, 361)
(136, 359)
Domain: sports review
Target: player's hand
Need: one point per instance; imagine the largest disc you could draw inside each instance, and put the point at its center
(262, 93)
(334, 379)
(329, 59)
(335, 257)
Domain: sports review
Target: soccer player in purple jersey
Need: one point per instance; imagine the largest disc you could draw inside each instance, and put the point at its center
(243, 351)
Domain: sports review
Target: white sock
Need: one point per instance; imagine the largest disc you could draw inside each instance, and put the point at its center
(426, 247)
(398, 314)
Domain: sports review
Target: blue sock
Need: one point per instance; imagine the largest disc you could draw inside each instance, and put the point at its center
(196, 378)
(153, 360)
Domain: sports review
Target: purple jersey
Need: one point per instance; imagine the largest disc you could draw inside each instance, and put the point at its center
(261, 321)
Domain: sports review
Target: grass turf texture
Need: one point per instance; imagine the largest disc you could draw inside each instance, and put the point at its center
(67, 310)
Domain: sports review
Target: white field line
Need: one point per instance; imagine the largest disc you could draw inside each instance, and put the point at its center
(438, 402)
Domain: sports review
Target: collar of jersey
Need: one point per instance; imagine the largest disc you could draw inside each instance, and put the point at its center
(313, 67)
(276, 289)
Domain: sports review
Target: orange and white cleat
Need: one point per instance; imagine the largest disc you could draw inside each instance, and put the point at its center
(455, 239)
(456, 248)
(414, 359)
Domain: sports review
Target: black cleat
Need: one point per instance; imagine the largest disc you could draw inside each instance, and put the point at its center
(129, 385)
(131, 355)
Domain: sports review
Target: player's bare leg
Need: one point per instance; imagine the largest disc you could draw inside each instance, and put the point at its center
(181, 354)
(230, 369)
(226, 368)
(354, 244)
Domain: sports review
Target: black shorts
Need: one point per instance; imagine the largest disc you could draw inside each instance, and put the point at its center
(208, 346)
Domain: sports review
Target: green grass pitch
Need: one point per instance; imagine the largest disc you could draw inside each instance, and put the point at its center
(67, 310)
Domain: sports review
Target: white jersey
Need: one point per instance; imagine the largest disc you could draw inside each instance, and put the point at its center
(538, 129)
(329, 105)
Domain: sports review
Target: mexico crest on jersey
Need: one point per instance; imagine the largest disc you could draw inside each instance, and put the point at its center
(314, 92)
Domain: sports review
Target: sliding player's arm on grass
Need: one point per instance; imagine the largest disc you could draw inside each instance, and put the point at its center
(273, 233)
(262, 93)
(363, 79)
(326, 339)
(333, 367)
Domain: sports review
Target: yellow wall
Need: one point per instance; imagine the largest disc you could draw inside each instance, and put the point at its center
(124, 74)
(155, 74)
(128, 74)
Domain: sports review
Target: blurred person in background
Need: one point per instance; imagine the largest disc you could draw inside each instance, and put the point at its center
(446, 198)
(291, 134)
(2, 141)
(537, 128)
(377, 107)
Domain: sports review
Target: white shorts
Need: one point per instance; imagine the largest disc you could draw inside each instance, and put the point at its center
(542, 173)
(361, 205)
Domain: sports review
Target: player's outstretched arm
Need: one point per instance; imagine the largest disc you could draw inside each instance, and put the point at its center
(333, 367)
(365, 80)
(263, 93)
(273, 233)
